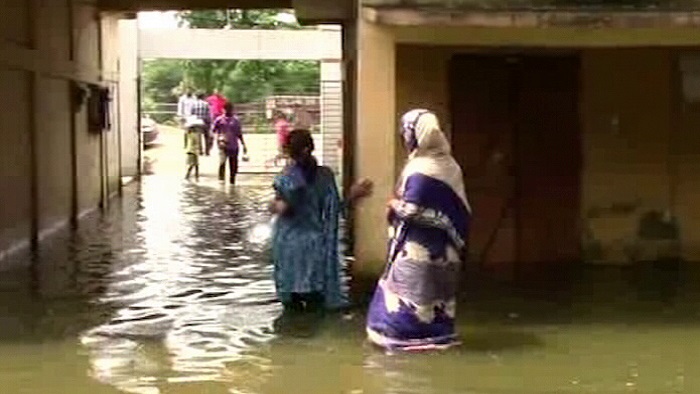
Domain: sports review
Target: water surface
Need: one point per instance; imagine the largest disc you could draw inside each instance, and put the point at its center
(167, 294)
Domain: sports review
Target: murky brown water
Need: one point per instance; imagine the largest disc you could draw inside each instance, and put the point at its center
(166, 294)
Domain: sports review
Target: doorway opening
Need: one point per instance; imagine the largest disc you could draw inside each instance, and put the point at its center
(261, 61)
(516, 134)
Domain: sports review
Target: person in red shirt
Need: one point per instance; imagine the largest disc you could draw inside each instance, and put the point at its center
(282, 130)
(216, 104)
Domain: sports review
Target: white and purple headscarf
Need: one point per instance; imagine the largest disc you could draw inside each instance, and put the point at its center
(429, 152)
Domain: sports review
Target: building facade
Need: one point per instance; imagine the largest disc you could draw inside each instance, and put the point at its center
(575, 121)
(57, 163)
(575, 124)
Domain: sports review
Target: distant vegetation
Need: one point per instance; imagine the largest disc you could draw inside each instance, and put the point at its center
(241, 81)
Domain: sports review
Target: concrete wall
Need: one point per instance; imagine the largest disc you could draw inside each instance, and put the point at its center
(422, 82)
(250, 44)
(15, 163)
(88, 156)
(375, 143)
(110, 58)
(685, 168)
(640, 145)
(627, 128)
(51, 169)
(129, 97)
(643, 152)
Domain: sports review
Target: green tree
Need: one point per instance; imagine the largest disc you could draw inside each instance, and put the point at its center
(236, 19)
(242, 81)
(245, 80)
(162, 83)
(161, 78)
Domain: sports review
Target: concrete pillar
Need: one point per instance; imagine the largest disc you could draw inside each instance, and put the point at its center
(375, 143)
(128, 97)
(349, 78)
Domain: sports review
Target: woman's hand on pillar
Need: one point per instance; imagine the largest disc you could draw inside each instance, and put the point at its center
(361, 190)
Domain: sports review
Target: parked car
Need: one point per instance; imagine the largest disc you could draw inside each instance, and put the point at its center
(149, 130)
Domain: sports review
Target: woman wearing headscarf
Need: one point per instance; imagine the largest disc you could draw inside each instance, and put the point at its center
(305, 243)
(414, 304)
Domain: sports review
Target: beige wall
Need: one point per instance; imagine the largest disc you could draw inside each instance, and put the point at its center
(375, 143)
(635, 155)
(15, 154)
(15, 165)
(422, 81)
(129, 97)
(422, 67)
(15, 22)
(685, 173)
(626, 108)
(54, 152)
(89, 176)
(110, 77)
(45, 149)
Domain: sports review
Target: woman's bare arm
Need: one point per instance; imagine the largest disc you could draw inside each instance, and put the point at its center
(278, 206)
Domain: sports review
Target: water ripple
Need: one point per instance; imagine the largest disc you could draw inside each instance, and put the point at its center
(187, 278)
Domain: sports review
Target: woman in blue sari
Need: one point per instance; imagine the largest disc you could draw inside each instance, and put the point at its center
(414, 304)
(307, 266)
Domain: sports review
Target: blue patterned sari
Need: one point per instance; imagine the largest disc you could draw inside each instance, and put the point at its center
(305, 241)
(414, 304)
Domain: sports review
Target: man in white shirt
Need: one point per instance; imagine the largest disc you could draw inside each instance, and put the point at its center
(184, 108)
(184, 105)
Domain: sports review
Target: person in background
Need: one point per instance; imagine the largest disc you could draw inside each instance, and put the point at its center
(307, 268)
(282, 130)
(414, 304)
(184, 105)
(193, 144)
(228, 130)
(184, 109)
(216, 104)
(200, 109)
(302, 118)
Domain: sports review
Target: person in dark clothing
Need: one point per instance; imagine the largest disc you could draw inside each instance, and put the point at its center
(227, 128)
(200, 109)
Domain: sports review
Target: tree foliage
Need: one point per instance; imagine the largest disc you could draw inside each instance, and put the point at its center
(236, 19)
(241, 81)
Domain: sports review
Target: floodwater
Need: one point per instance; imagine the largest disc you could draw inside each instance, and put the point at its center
(168, 293)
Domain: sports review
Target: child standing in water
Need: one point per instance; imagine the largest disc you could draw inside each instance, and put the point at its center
(193, 144)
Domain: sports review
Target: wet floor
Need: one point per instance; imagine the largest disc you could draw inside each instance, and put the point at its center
(170, 292)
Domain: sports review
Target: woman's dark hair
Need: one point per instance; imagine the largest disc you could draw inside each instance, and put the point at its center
(299, 144)
(299, 147)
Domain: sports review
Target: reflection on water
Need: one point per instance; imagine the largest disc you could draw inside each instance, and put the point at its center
(198, 294)
(171, 292)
